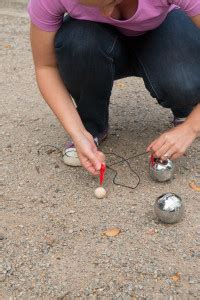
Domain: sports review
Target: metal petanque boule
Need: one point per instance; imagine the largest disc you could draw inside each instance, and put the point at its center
(161, 170)
(169, 208)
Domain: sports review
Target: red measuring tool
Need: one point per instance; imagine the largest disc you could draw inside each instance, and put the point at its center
(102, 173)
(152, 160)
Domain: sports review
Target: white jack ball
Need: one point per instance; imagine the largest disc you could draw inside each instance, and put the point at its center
(100, 192)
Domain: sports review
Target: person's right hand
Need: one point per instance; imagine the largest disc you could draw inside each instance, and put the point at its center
(90, 158)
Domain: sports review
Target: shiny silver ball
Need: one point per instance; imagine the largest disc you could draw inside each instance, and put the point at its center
(160, 170)
(169, 208)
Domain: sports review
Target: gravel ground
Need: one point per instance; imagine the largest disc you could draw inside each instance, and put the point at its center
(52, 246)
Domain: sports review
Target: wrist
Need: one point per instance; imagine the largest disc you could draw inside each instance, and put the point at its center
(192, 127)
(193, 121)
(77, 134)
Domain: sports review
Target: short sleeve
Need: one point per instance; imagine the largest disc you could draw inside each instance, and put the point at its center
(191, 7)
(46, 14)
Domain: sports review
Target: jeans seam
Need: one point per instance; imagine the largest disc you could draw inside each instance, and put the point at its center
(114, 43)
(148, 78)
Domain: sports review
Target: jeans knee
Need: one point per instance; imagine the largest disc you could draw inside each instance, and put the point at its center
(82, 41)
(73, 44)
(181, 89)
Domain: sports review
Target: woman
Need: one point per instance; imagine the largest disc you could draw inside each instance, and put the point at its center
(103, 40)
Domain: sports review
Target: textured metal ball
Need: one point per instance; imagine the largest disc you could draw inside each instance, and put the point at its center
(169, 208)
(161, 170)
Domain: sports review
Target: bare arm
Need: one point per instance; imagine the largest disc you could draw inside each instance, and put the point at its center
(193, 121)
(50, 83)
(59, 100)
(196, 20)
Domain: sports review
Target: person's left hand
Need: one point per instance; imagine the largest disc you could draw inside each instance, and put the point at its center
(173, 143)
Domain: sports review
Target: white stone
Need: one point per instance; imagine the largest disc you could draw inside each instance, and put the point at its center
(100, 192)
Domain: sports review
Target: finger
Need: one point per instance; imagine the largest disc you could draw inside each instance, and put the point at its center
(89, 167)
(157, 145)
(170, 153)
(101, 156)
(149, 148)
(92, 171)
(93, 158)
(175, 156)
(163, 152)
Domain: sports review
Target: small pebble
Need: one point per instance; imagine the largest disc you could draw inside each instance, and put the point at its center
(132, 210)
(2, 237)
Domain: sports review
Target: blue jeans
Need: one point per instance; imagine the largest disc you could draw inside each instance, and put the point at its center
(92, 55)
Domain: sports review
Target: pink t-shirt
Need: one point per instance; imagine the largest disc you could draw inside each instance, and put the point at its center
(48, 14)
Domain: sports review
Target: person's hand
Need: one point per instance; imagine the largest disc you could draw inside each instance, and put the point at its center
(173, 143)
(90, 158)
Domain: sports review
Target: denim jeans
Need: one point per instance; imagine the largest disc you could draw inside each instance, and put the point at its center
(92, 55)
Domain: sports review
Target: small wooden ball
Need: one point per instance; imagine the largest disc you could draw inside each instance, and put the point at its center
(100, 192)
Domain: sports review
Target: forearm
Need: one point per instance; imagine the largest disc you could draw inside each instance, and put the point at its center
(196, 20)
(59, 100)
(194, 120)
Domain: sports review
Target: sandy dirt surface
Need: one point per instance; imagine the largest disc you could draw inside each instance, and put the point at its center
(51, 239)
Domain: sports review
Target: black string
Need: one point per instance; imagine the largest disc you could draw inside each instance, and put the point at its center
(126, 160)
(131, 169)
